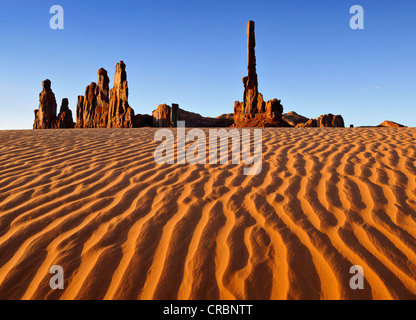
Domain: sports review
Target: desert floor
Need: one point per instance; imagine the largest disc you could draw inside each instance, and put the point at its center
(122, 227)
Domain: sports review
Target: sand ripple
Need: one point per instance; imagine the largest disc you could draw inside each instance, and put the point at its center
(122, 227)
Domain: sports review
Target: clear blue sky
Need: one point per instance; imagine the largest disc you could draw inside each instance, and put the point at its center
(193, 52)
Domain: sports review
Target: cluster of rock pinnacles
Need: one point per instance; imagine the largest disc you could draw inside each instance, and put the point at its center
(102, 107)
(45, 116)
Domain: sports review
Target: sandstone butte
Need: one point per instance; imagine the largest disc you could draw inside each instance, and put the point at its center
(102, 107)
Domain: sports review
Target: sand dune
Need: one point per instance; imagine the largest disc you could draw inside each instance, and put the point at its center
(122, 227)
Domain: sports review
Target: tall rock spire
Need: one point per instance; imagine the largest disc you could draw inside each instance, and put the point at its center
(254, 111)
(64, 119)
(250, 82)
(121, 115)
(103, 102)
(251, 55)
(46, 114)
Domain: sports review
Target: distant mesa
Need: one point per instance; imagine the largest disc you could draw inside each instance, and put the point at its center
(196, 120)
(311, 123)
(294, 119)
(166, 116)
(390, 124)
(386, 124)
(324, 121)
(45, 116)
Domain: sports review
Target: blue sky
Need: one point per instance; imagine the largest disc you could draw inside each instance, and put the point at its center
(193, 52)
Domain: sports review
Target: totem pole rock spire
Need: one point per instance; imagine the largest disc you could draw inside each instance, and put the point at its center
(250, 82)
(254, 111)
(251, 56)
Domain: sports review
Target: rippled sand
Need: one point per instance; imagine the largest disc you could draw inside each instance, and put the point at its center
(122, 227)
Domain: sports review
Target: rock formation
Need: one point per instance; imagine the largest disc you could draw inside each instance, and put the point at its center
(143, 120)
(227, 116)
(166, 116)
(251, 94)
(93, 107)
(45, 116)
(329, 120)
(101, 107)
(64, 119)
(324, 121)
(253, 111)
(104, 108)
(196, 120)
(294, 119)
(390, 124)
(311, 123)
(101, 119)
(274, 109)
(121, 115)
(86, 107)
(80, 112)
